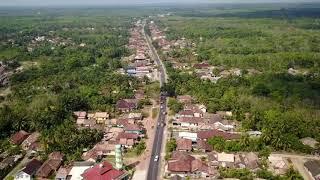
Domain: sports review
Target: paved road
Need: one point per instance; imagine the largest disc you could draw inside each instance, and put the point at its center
(154, 165)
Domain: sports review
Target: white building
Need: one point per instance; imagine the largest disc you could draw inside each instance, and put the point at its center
(78, 169)
(188, 135)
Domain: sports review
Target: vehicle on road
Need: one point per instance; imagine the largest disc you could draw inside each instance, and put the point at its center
(156, 158)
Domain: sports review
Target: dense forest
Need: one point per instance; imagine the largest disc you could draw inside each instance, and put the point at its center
(284, 106)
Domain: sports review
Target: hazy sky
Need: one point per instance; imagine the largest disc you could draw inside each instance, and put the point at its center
(124, 2)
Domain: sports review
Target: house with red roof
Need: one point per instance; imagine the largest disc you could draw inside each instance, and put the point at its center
(205, 135)
(203, 146)
(30, 141)
(133, 128)
(104, 171)
(181, 163)
(202, 65)
(127, 139)
(127, 105)
(18, 137)
(184, 144)
(51, 165)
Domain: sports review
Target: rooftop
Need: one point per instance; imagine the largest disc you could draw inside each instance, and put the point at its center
(184, 144)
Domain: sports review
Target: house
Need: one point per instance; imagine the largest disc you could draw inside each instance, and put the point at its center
(7, 162)
(84, 119)
(278, 164)
(213, 159)
(80, 114)
(223, 126)
(201, 66)
(104, 171)
(101, 149)
(127, 105)
(127, 139)
(190, 122)
(19, 137)
(106, 148)
(29, 170)
(186, 99)
(101, 117)
(88, 123)
(184, 145)
(213, 118)
(135, 116)
(185, 113)
(205, 135)
(202, 108)
(78, 169)
(51, 165)
(203, 146)
(123, 122)
(133, 128)
(181, 163)
(188, 135)
(313, 168)
(27, 143)
(251, 160)
(226, 160)
(62, 173)
(190, 111)
(92, 155)
(197, 112)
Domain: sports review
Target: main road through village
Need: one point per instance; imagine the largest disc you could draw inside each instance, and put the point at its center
(154, 165)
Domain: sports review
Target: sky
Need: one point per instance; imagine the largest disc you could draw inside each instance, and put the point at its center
(128, 2)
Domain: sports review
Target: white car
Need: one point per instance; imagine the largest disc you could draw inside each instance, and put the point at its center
(156, 158)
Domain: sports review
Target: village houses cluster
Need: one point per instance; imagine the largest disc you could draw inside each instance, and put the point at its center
(126, 130)
(122, 131)
(193, 126)
(140, 64)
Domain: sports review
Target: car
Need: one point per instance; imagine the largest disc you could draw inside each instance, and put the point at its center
(156, 158)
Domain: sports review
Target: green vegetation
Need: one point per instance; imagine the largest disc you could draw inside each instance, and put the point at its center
(283, 106)
(291, 174)
(170, 147)
(236, 173)
(244, 144)
(72, 68)
(139, 148)
(155, 112)
(174, 105)
(246, 174)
